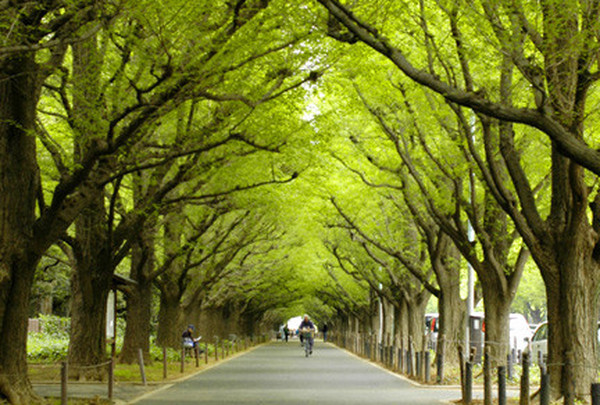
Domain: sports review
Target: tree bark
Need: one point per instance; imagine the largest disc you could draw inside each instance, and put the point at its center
(91, 283)
(19, 256)
(139, 316)
(572, 295)
(170, 321)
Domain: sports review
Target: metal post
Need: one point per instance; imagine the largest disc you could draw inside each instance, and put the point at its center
(141, 362)
(509, 366)
(502, 385)
(216, 348)
(544, 387)
(164, 363)
(487, 376)
(595, 392)
(111, 378)
(439, 368)
(468, 383)
(524, 400)
(197, 354)
(427, 366)
(64, 373)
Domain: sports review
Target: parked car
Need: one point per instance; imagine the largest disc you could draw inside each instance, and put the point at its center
(431, 329)
(520, 332)
(539, 342)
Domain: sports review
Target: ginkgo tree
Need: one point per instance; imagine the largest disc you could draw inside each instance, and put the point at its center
(524, 68)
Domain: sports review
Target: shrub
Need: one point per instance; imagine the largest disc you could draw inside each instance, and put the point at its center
(55, 326)
(46, 348)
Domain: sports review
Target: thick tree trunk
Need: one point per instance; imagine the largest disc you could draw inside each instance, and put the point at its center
(91, 284)
(18, 187)
(139, 298)
(416, 319)
(139, 315)
(497, 312)
(451, 308)
(451, 311)
(170, 322)
(572, 316)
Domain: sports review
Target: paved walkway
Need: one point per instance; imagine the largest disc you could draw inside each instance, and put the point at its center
(278, 373)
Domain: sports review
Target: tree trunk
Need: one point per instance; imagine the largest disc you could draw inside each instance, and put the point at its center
(91, 284)
(19, 90)
(497, 312)
(572, 318)
(139, 298)
(416, 319)
(139, 315)
(451, 311)
(170, 322)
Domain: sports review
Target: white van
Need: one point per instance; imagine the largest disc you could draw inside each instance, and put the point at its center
(520, 332)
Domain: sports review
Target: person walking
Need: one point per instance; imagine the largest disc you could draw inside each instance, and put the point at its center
(325, 329)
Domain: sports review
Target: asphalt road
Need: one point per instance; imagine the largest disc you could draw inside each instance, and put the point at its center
(278, 373)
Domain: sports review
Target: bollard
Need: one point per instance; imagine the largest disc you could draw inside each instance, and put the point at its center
(164, 350)
(501, 385)
(569, 394)
(487, 376)
(509, 366)
(400, 360)
(182, 360)
(418, 364)
(427, 366)
(63, 382)
(595, 392)
(197, 354)
(141, 363)
(111, 378)
(439, 368)
(409, 369)
(206, 353)
(544, 386)
(468, 383)
(524, 396)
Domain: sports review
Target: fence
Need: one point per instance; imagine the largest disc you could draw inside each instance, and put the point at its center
(404, 358)
(222, 348)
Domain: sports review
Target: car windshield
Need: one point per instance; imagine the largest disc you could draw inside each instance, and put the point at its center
(541, 333)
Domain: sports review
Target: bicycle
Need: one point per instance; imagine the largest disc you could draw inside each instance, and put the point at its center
(308, 340)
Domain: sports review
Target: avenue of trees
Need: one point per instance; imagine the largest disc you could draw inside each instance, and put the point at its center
(249, 160)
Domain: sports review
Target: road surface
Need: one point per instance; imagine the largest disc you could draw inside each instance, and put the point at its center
(278, 373)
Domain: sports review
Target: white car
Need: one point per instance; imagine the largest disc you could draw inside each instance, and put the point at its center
(520, 332)
(539, 343)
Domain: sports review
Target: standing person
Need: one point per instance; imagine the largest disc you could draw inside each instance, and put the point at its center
(307, 324)
(286, 332)
(324, 329)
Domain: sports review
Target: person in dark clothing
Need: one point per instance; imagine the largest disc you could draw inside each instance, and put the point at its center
(286, 332)
(188, 337)
(325, 329)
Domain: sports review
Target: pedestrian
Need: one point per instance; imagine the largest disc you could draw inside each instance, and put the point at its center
(325, 329)
(286, 332)
(188, 338)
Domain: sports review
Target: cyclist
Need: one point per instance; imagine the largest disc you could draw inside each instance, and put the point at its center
(307, 324)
